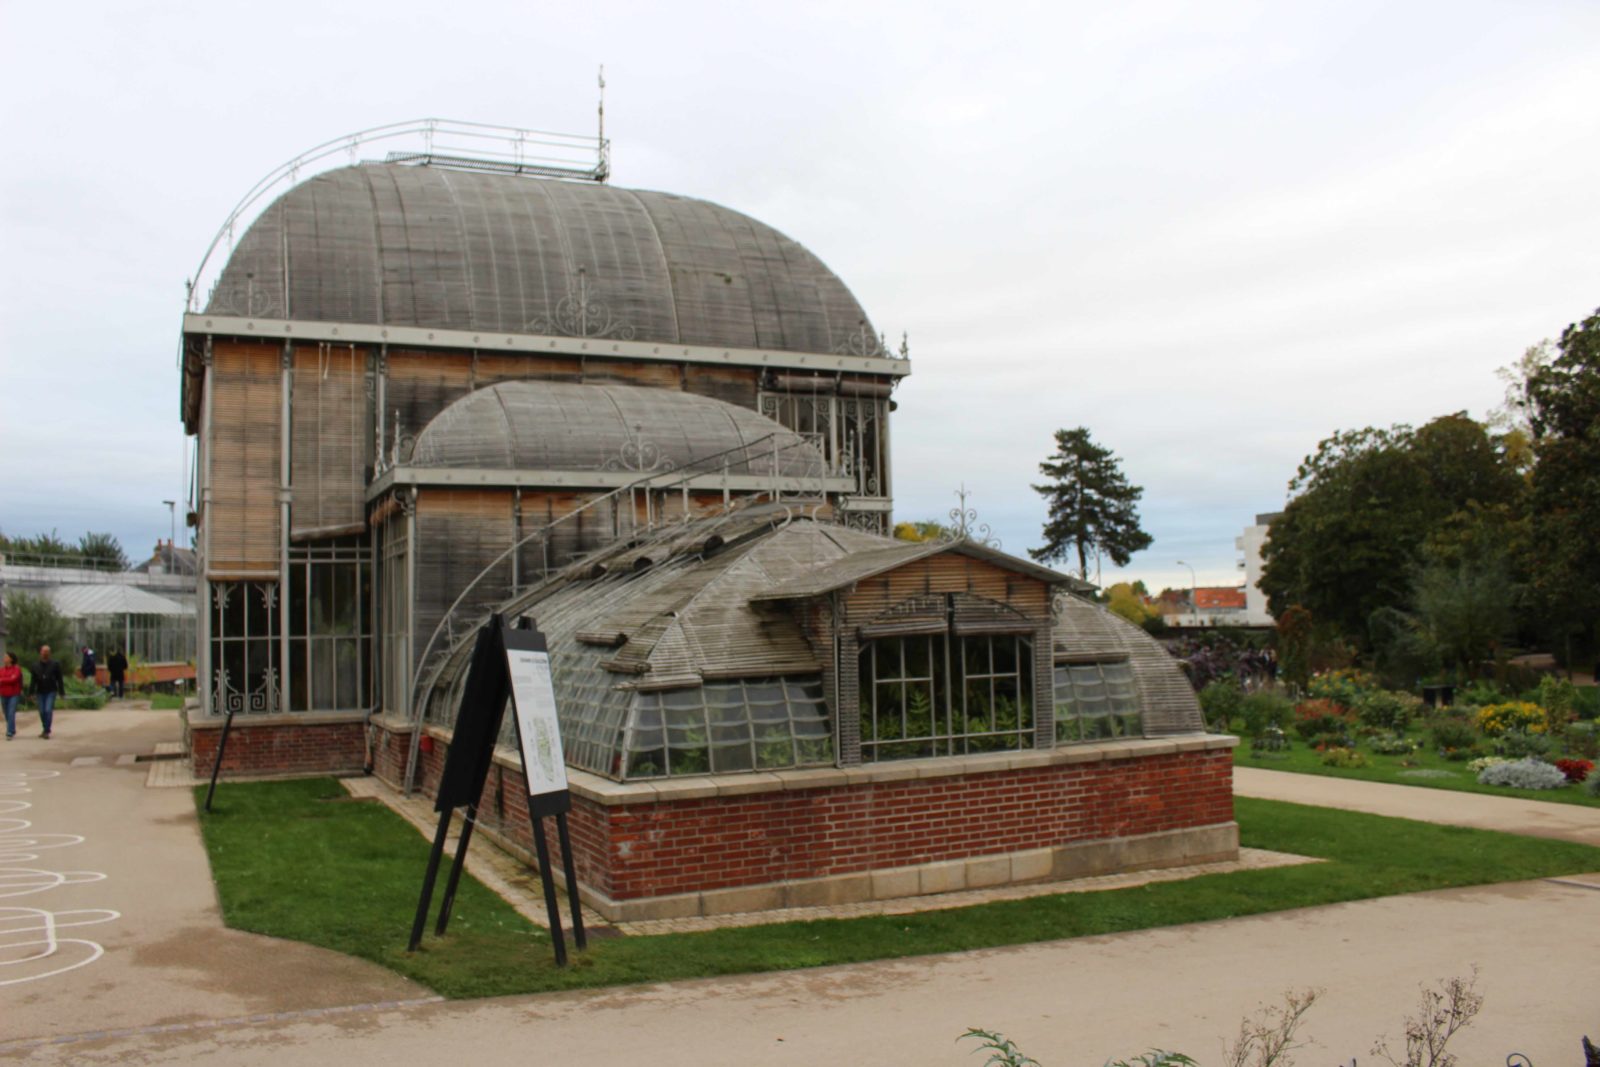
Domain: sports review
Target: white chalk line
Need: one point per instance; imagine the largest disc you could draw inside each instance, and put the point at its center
(29, 936)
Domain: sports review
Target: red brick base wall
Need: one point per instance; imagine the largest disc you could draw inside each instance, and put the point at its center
(280, 747)
(629, 851)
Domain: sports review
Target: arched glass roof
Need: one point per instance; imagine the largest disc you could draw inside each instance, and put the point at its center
(429, 246)
(563, 426)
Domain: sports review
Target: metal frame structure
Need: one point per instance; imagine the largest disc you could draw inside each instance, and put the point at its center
(442, 142)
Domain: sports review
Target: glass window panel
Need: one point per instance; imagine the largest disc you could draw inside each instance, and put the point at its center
(732, 757)
(918, 662)
(1005, 655)
(886, 659)
(346, 674)
(322, 694)
(682, 698)
(299, 689)
(774, 748)
(297, 599)
(764, 692)
(975, 654)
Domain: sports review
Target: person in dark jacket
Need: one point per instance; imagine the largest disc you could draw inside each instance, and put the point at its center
(117, 669)
(86, 668)
(48, 683)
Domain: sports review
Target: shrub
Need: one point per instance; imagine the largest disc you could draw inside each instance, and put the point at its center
(1270, 739)
(1496, 719)
(1221, 700)
(1340, 756)
(1559, 699)
(1455, 755)
(1586, 702)
(1576, 770)
(1581, 740)
(1392, 746)
(1518, 744)
(1479, 695)
(1314, 719)
(1265, 708)
(1386, 710)
(1523, 774)
(1448, 731)
(1483, 763)
(1345, 686)
(1591, 784)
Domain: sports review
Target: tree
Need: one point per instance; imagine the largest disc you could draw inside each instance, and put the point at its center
(923, 530)
(1090, 506)
(32, 621)
(1563, 397)
(102, 551)
(1128, 601)
(1349, 544)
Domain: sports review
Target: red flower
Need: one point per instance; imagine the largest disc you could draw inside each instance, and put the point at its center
(1576, 770)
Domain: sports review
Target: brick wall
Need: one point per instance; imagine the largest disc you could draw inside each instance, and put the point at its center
(638, 850)
(280, 747)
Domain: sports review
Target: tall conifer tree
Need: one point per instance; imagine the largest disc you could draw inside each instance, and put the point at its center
(1090, 505)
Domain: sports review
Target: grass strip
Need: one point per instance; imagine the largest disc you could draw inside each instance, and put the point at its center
(1305, 759)
(300, 860)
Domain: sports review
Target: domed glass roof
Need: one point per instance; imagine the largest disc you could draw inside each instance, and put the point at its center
(428, 246)
(564, 426)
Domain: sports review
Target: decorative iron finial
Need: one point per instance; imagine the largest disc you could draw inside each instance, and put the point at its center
(905, 345)
(964, 524)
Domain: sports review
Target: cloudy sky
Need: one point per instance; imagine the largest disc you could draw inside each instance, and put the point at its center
(1212, 233)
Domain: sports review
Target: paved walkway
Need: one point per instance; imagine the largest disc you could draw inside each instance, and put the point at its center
(1479, 811)
(110, 877)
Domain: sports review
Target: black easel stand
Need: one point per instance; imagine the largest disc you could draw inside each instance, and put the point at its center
(434, 857)
(571, 875)
(469, 821)
(216, 764)
(542, 852)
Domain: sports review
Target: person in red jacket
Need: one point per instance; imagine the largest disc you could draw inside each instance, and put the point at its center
(10, 692)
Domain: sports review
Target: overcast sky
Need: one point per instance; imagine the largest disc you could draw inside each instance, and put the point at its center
(1212, 233)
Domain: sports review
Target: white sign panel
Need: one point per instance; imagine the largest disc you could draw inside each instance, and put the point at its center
(534, 699)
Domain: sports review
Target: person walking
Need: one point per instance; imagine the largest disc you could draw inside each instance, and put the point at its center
(86, 669)
(48, 683)
(10, 691)
(117, 669)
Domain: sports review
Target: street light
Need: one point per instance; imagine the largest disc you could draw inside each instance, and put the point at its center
(1194, 593)
(172, 545)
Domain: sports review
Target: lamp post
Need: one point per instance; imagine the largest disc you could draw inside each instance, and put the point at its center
(172, 545)
(1194, 593)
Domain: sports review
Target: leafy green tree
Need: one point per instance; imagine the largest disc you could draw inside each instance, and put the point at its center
(1350, 542)
(1126, 600)
(32, 621)
(1091, 507)
(102, 551)
(1563, 398)
(1467, 610)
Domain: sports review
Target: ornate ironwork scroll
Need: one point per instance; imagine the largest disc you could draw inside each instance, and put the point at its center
(582, 313)
(639, 455)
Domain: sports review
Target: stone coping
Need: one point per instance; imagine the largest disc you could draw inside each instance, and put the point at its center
(606, 792)
(200, 721)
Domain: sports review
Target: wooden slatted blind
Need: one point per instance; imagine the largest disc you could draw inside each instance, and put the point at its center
(422, 384)
(246, 393)
(328, 439)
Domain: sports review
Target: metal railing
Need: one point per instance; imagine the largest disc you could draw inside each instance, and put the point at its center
(440, 142)
(431, 663)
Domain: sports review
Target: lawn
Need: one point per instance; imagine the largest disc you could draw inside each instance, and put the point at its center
(302, 860)
(1304, 759)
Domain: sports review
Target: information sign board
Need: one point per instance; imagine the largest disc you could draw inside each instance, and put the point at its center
(534, 698)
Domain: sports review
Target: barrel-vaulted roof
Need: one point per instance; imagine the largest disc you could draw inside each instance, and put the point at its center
(428, 246)
(564, 426)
